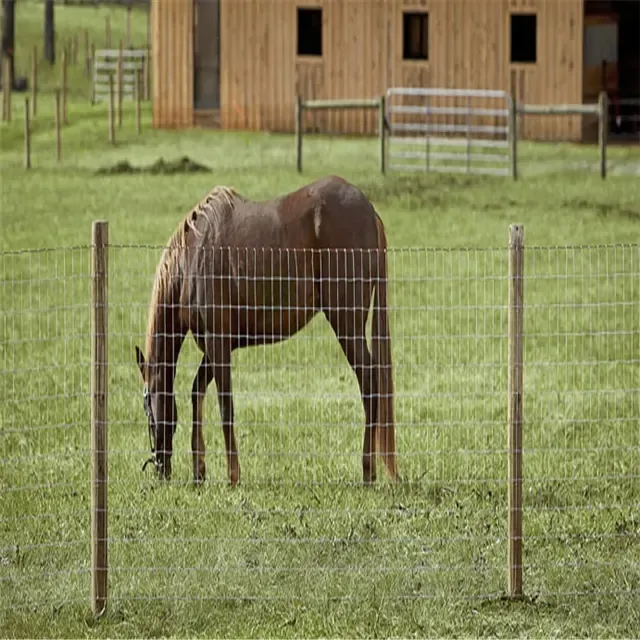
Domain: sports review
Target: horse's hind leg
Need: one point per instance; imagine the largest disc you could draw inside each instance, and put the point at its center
(203, 378)
(222, 375)
(350, 331)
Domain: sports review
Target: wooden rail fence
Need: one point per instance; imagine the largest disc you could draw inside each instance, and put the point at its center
(599, 110)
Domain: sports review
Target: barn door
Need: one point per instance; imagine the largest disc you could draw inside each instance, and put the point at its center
(206, 58)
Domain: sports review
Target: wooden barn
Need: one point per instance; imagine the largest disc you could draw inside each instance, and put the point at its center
(239, 64)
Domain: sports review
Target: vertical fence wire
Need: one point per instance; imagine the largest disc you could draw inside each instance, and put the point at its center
(300, 525)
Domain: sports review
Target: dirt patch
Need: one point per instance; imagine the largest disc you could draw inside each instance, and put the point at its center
(159, 167)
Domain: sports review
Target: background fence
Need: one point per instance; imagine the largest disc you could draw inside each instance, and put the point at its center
(300, 526)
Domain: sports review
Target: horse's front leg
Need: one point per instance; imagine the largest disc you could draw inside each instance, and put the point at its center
(203, 378)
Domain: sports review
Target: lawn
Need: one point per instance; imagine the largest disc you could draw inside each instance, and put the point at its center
(300, 548)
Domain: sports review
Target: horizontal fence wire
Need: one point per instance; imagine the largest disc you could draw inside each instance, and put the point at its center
(301, 525)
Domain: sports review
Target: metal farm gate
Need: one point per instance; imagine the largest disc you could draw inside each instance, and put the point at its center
(449, 130)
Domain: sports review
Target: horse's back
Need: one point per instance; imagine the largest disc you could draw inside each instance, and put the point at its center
(278, 262)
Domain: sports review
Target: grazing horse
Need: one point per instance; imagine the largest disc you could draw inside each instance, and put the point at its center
(238, 273)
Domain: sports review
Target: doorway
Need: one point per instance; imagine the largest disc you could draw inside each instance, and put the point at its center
(612, 61)
(206, 54)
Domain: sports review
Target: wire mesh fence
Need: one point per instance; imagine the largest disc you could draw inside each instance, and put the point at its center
(301, 525)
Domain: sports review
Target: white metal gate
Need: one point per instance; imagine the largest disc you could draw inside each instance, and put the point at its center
(105, 65)
(449, 130)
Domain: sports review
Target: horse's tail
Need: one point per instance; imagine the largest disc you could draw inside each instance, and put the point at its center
(381, 348)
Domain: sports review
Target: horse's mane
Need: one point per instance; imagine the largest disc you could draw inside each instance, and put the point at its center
(218, 201)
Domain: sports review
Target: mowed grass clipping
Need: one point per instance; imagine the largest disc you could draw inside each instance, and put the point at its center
(300, 548)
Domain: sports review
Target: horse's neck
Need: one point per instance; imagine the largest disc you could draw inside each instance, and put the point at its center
(166, 344)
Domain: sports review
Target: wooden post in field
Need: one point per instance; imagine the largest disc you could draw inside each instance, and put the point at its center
(27, 136)
(92, 73)
(58, 126)
(382, 130)
(63, 82)
(120, 83)
(128, 27)
(299, 133)
(138, 89)
(34, 81)
(7, 88)
(87, 52)
(112, 126)
(4, 91)
(603, 131)
(74, 49)
(99, 415)
(513, 135)
(147, 73)
(515, 406)
(107, 32)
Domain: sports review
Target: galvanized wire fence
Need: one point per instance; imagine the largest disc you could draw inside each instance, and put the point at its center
(300, 525)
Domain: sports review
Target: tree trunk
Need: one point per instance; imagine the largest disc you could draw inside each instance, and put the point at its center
(49, 33)
(8, 35)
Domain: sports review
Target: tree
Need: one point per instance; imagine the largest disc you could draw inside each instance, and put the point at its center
(49, 33)
(8, 35)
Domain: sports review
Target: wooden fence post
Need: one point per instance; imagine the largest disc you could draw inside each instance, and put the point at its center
(138, 89)
(128, 27)
(120, 83)
(513, 135)
(34, 81)
(58, 126)
(147, 73)
(515, 406)
(27, 136)
(4, 91)
(603, 131)
(63, 82)
(86, 50)
(99, 415)
(92, 72)
(7, 89)
(299, 108)
(382, 127)
(112, 117)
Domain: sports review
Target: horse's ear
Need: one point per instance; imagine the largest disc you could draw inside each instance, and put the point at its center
(140, 360)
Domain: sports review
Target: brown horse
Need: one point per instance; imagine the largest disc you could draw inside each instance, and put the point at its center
(238, 273)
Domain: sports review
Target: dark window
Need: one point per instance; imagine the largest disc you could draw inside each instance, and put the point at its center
(309, 32)
(523, 37)
(415, 36)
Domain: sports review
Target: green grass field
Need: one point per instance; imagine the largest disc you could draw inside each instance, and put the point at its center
(300, 549)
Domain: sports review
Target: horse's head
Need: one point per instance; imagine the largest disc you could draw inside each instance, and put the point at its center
(160, 409)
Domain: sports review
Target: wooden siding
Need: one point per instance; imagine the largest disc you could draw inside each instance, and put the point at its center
(469, 47)
(172, 62)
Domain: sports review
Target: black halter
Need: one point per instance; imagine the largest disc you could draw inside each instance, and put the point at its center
(147, 409)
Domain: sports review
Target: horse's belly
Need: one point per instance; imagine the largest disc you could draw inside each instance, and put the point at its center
(273, 309)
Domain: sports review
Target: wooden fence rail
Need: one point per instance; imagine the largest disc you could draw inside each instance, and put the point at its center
(599, 110)
(314, 105)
